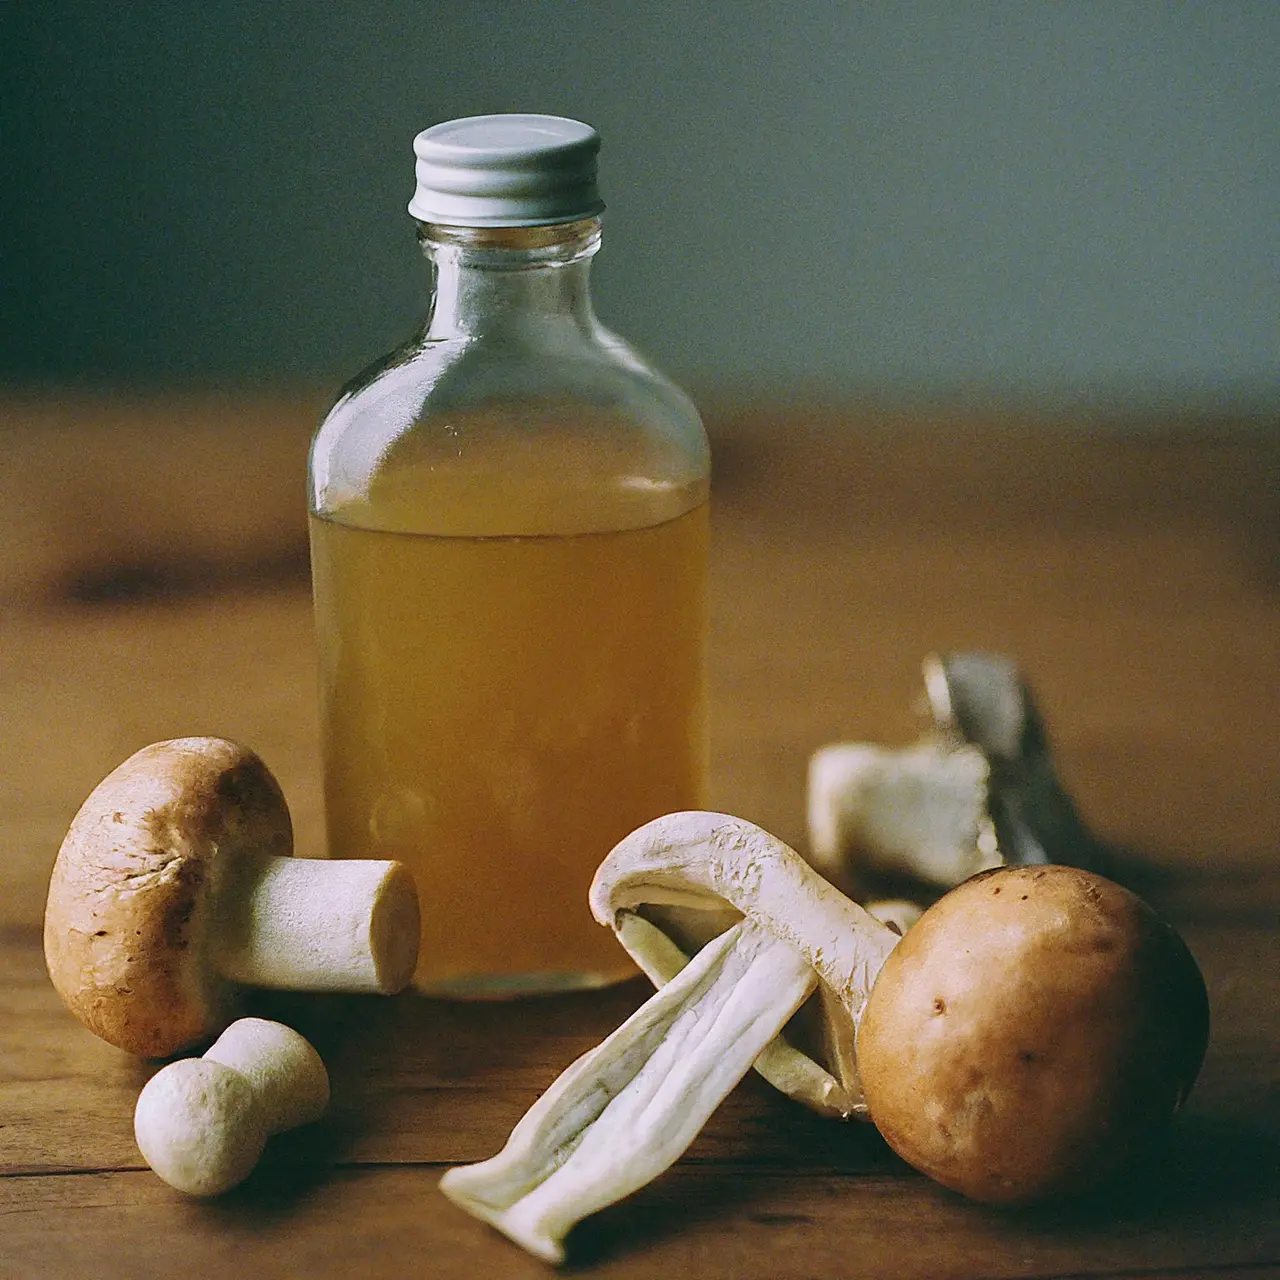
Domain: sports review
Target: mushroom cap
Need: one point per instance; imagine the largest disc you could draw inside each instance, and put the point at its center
(718, 866)
(198, 1125)
(132, 894)
(1035, 1029)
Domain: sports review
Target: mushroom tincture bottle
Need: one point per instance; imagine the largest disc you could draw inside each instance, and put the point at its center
(508, 542)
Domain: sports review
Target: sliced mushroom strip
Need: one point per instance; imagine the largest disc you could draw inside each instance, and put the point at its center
(628, 1109)
(785, 1067)
(682, 873)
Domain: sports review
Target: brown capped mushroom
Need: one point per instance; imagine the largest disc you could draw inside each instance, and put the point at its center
(627, 1109)
(175, 884)
(1036, 1028)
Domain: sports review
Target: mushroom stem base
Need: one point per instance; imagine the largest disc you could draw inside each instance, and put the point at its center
(628, 1109)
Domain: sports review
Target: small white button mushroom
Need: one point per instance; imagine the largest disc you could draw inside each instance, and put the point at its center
(175, 884)
(201, 1124)
(197, 1125)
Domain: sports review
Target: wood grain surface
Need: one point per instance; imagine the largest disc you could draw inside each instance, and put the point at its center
(153, 582)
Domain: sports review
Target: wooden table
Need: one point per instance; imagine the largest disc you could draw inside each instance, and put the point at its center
(153, 582)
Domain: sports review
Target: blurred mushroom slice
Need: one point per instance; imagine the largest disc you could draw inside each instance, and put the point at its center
(978, 792)
(628, 1109)
(982, 699)
(922, 812)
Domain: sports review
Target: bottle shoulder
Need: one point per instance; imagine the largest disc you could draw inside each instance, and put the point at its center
(562, 433)
(424, 378)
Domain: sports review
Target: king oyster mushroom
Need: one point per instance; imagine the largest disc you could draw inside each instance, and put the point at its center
(626, 1110)
(979, 791)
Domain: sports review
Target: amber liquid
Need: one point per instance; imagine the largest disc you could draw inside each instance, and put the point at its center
(497, 713)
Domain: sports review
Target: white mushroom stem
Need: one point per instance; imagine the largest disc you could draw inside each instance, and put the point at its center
(783, 1066)
(201, 1123)
(921, 811)
(309, 924)
(628, 1109)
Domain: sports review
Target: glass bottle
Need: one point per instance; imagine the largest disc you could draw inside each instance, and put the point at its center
(509, 542)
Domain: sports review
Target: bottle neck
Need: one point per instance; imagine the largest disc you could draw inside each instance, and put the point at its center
(510, 280)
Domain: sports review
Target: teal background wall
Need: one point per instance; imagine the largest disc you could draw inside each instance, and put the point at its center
(1057, 202)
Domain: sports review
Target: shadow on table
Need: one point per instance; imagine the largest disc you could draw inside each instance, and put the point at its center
(1209, 1172)
(1207, 1168)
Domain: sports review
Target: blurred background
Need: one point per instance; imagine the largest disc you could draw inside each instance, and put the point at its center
(1058, 204)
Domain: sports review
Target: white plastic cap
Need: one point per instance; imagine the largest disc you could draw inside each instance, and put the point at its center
(506, 171)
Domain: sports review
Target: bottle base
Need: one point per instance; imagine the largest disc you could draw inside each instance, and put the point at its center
(515, 986)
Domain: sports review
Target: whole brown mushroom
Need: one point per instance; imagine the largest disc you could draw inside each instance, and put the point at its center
(175, 885)
(1035, 1029)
